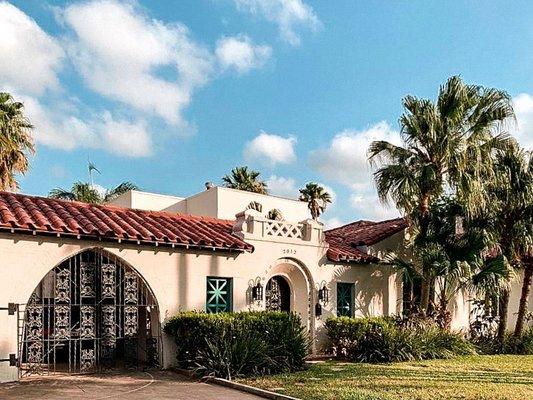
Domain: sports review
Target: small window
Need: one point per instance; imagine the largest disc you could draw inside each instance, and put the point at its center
(345, 299)
(219, 295)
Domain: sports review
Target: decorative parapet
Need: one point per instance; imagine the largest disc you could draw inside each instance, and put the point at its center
(251, 224)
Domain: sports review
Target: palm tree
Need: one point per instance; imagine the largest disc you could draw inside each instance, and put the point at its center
(316, 197)
(87, 193)
(511, 197)
(15, 141)
(275, 214)
(446, 146)
(243, 179)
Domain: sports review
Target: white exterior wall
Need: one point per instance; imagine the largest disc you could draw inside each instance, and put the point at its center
(150, 201)
(178, 279)
(218, 202)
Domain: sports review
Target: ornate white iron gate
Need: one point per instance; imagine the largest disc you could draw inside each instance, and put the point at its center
(90, 313)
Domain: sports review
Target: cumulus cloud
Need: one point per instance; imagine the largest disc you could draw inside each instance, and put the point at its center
(65, 131)
(333, 222)
(281, 186)
(345, 160)
(125, 137)
(288, 15)
(523, 106)
(368, 206)
(240, 53)
(270, 149)
(118, 50)
(30, 58)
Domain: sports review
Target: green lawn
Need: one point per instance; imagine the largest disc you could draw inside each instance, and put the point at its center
(472, 377)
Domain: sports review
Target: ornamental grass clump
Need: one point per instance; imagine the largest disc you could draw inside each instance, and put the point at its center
(386, 339)
(231, 345)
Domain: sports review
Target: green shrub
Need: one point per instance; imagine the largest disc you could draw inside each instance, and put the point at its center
(239, 344)
(518, 345)
(386, 339)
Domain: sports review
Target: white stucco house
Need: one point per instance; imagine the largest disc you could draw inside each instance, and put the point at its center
(87, 286)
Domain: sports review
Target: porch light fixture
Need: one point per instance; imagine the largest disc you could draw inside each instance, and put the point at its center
(257, 292)
(318, 310)
(323, 294)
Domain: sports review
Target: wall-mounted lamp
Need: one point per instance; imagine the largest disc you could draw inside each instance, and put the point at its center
(257, 292)
(318, 310)
(323, 294)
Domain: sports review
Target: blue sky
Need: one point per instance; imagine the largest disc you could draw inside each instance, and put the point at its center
(171, 94)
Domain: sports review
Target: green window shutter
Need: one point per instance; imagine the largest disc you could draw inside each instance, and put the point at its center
(345, 299)
(219, 295)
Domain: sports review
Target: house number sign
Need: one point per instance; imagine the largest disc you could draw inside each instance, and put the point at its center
(289, 251)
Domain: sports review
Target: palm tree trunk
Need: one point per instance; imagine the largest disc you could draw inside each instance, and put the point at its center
(522, 308)
(424, 295)
(503, 308)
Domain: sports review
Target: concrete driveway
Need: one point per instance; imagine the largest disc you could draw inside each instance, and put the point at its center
(124, 385)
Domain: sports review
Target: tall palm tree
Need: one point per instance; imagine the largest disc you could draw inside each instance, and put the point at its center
(243, 179)
(15, 141)
(511, 197)
(446, 147)
(87, 193)
(316, 197)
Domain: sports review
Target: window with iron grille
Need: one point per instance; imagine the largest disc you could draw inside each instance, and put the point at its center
(219, 295)
(345, 299)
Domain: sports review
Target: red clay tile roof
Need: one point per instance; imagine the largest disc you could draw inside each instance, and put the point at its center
(343, 241)
(41, 216)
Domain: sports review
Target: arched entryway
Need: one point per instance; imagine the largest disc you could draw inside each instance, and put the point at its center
(278, 294)
(89, 313)
(300, 288)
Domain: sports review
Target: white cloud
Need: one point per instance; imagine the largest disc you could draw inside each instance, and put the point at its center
(333, 222)
(56, 129)
(369, 207)
(523, 106)
(281, 186)
(118, 50)
(346, 161)
(126, 138)
(240, 53)
(270, 149)
(29, 58)
(288, 15)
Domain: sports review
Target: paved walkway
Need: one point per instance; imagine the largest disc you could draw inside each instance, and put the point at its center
(130, 386)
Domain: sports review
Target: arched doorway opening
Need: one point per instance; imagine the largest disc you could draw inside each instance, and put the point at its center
(278, 294)
(90, 313)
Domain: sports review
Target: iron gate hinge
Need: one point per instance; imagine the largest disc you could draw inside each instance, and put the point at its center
(11, 308)
(12, 360)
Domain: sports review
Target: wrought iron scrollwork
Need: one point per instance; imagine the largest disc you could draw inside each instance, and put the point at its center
(130, 321)
(87, 282)
(109, 331)
(62, 289)
(273, 296)
(62, 322)
(34, 322)
(130, 288)
(108, 280)
(87, 359)
(87, 322)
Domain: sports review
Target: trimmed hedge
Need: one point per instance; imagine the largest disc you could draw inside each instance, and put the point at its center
(239, 344)
(386, 339)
